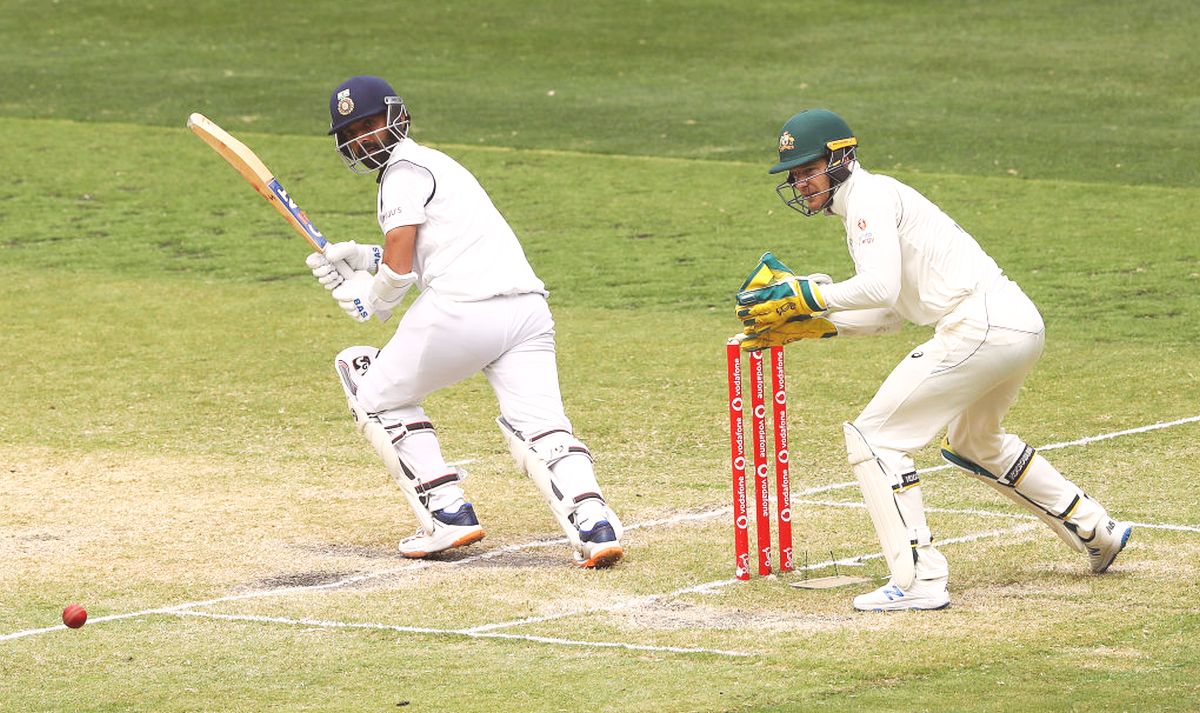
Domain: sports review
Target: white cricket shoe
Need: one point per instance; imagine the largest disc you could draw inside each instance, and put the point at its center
(601, 548)
(925, 594)
(1106, 543)
(450, 530)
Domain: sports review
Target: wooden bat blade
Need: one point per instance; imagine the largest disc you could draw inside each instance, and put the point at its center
(256, 173)
(233, 151)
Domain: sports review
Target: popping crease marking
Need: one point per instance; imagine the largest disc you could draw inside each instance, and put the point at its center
(469, 633)
(1050, 447)
(688, 517)
(713, 586)
(354, 579)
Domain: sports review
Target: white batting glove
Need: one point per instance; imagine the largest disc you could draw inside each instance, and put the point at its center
(358, 257)
(820, 278)
(351, 295)
(325, 271)
(364, 295)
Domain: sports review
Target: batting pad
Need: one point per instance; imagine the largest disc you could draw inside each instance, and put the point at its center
(350, 365)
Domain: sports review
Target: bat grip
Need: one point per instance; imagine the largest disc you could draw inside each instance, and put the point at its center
(343, 269)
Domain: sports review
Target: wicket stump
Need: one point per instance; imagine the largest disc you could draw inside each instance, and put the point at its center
(739, 460)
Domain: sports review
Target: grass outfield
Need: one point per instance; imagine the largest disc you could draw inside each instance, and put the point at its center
(175, 455)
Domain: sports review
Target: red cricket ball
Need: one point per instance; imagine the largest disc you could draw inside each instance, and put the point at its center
(74, 616)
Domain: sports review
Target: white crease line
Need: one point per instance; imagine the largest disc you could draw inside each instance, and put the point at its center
(990, 513)
(1116, 434)
(948, 511)
(417, 566)
(710, 587)
(617, 644)
(1176, 528)
(458, 632)
(685, 517)
(1051, 447)
(279, 591)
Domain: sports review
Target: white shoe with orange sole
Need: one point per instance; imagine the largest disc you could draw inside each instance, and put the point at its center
(599, 547)
(450, 530)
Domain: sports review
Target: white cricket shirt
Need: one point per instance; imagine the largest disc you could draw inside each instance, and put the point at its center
(465, 249)
(908, 254)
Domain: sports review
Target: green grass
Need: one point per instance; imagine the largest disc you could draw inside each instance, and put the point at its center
(172, 431)
(1062, 89)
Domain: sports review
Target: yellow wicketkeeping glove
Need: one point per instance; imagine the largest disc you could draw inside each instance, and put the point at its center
(768, 271)
(772, 294)
(768, 307)
(790, 331)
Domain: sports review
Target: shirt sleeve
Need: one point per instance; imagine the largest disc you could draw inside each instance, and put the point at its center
(865, 322)
(874, 242)
(404, 192)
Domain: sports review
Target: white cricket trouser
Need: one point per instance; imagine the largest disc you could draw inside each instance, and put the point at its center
(967, 376)
(440, 342)
(965, 379)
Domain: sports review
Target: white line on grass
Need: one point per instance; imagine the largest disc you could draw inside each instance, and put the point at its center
(469, 633)
(713, 586)
(185, 608)
(709, 587)
(990, 513)
(1050, 447)
(414, 566)
(279, 591)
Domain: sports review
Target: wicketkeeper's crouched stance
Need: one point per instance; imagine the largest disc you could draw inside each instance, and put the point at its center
(481, 309)
(913, 262)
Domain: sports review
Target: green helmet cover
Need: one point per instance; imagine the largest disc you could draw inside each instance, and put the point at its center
(810, 135)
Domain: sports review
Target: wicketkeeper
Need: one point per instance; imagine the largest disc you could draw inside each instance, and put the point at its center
(912, 262)
(481, 308)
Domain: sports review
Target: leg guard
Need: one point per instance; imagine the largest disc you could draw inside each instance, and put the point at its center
(537, 458)
(894, 504)
(1031, 483)
(350, 365)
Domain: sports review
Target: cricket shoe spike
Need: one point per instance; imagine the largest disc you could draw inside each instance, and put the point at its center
(599, 547)
(924, 594)
(1106, 543)
(450, 530)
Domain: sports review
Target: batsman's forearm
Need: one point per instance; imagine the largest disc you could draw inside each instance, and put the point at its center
(399, 248)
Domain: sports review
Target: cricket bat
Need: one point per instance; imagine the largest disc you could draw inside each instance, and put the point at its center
(258, 175)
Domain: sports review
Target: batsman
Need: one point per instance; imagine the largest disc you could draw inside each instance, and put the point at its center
(912, 262)
(481, 308)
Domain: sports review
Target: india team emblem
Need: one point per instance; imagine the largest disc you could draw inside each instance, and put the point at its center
(345, 104)
(787, 142)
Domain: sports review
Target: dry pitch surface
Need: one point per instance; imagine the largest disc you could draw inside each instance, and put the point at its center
(116, 533)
